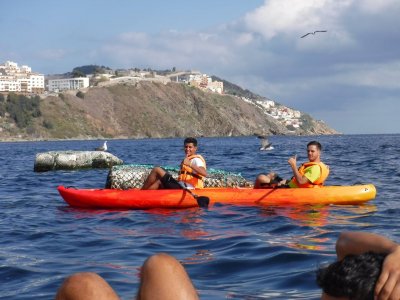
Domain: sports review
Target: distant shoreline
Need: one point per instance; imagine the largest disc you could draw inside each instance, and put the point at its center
(15, 140)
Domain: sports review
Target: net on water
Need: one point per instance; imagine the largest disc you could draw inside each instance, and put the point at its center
(126, 177)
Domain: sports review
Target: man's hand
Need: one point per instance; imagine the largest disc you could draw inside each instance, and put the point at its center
(293, 161)
(186, 161)
(388, 284)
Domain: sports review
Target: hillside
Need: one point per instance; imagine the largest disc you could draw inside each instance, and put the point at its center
(149, 109)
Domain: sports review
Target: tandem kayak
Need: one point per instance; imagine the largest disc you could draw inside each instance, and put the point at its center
(147, 199)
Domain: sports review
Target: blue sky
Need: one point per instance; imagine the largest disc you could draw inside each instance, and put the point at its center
(349, 76)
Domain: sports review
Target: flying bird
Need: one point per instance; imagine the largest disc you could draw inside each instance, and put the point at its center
(313, 33)
(265, 144)
(102, 148)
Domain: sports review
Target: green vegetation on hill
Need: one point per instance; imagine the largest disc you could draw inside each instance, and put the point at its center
(20, 108)
(2, 105)
(90, 69)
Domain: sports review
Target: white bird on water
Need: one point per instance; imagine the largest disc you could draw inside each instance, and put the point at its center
(102, 148)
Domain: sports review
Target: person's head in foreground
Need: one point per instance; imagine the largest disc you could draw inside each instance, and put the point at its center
(353, 278)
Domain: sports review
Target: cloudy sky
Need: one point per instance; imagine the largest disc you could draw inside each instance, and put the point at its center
(348, 76)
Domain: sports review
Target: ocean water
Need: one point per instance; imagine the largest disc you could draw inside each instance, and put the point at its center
(230, 252)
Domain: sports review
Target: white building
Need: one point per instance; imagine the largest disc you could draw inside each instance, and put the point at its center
(216, 86)
(204, 81)
(266, 103)
(20, 79)
(58, 85)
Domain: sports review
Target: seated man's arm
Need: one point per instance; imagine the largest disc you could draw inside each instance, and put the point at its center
(310, 176)
(199, 170)
(197, 165)
(296, 174)
(388, 284)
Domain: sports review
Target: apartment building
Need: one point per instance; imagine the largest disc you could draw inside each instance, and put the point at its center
(216, 86)
(204, 81)
(20, 79)
(59, 85)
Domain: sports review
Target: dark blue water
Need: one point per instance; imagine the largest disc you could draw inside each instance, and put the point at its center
(229, 251)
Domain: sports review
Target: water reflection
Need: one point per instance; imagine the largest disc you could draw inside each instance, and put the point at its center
(321, 215)
(82, 213)
(317, 222)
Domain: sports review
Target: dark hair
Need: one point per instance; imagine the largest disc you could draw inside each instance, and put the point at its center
(190, 140)
(354, 277)
(315, 143)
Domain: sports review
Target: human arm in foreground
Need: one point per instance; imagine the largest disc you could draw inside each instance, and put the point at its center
(388, 284)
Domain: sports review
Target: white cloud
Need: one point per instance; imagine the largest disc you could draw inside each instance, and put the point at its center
(132, 38)
(382, 76)
(244, 39)
(367, 115)
(376, 75)
(293, 17)
(374, 7)
(166, 48)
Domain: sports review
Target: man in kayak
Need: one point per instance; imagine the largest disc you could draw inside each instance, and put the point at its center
(191, 174)
(310, 174)
(162, 277)
(368, 267)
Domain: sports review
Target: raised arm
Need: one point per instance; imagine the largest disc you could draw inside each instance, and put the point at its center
(301, 179)
(388, 284)
(361, 242)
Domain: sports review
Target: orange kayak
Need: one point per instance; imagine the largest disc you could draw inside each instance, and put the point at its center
(146, 199)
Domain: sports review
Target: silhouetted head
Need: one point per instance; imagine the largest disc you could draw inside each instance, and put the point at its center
(352, 278)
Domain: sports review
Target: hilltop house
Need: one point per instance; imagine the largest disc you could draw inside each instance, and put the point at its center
(58, 85)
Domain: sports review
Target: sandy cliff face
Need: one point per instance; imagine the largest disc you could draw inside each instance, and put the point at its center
(148, 109)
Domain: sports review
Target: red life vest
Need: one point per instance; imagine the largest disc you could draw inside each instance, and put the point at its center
(187, 174)
(317, 183)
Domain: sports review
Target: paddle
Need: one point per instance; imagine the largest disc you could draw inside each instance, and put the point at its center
(202, 201)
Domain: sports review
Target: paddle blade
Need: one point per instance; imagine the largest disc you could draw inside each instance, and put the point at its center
(203, 201)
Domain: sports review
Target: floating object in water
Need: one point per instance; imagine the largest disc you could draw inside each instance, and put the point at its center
(73, 160)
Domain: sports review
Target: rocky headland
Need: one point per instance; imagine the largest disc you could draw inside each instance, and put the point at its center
(149, 109)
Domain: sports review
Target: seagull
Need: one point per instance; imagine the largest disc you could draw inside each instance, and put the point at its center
(313, 33)
(265, 144)
(102, 148)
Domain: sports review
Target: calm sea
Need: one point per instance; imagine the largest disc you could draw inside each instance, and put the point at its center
(230, 252)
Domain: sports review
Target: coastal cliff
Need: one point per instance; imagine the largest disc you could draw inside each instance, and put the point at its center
(151, 110)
